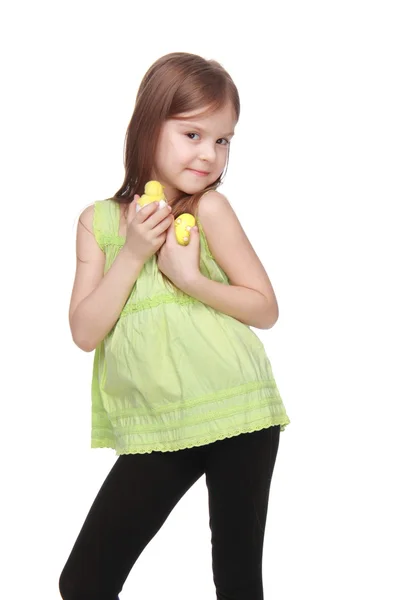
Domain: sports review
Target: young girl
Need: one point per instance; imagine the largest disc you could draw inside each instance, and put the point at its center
(181, 385)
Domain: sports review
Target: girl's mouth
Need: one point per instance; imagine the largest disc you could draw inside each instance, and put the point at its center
(200, 173)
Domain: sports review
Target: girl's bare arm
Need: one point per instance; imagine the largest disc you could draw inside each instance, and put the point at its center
(97, 299)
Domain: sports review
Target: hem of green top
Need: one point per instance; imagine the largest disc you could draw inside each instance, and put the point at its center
(182, 445)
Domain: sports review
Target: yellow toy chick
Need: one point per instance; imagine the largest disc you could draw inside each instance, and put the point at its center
(154, 192)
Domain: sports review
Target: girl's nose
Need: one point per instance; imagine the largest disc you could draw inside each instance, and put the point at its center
(207, 153)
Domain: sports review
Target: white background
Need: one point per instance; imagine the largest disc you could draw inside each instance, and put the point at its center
(314, 179)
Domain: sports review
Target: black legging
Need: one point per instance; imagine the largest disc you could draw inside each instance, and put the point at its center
(142, 489)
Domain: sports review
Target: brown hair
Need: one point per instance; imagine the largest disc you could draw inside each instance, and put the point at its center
(176, 83)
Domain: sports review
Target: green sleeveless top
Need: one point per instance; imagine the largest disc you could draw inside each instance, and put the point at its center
(174, 373)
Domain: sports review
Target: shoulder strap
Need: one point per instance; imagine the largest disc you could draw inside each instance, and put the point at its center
(106, 221)
(203, 236)
(201, 230)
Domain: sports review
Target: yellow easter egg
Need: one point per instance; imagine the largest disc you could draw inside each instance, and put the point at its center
(183, 224)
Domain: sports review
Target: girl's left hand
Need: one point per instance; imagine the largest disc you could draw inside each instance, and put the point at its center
(180, 263)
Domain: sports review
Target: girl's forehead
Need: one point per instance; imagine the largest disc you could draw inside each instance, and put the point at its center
(225, 118)
(206, 114)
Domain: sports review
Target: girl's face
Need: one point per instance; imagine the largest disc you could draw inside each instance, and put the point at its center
(187, 147)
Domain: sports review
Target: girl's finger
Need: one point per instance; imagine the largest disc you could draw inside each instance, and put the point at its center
(132, 207)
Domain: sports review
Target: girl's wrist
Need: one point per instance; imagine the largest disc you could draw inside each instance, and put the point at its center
(192, 282)
(130, 257)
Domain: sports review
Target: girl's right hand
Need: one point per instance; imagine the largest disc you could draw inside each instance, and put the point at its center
(147, 229)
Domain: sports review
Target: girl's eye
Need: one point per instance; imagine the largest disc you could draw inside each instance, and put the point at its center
(227, 141)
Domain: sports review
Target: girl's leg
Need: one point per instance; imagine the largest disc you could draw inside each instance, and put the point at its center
(238, 476)
(134, 501)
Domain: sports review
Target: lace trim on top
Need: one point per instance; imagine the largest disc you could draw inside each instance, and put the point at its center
(160, 299)
(173, 446)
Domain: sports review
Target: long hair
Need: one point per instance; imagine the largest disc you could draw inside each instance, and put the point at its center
(176, 83)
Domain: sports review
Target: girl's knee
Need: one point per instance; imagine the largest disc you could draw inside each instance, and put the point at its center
(73, 586)
(66, 587)
(72, 589)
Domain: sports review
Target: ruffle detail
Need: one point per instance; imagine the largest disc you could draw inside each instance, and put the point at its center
(182, 299)
(183, 446)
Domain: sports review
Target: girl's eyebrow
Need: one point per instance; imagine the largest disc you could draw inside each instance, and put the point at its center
(197, 126)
